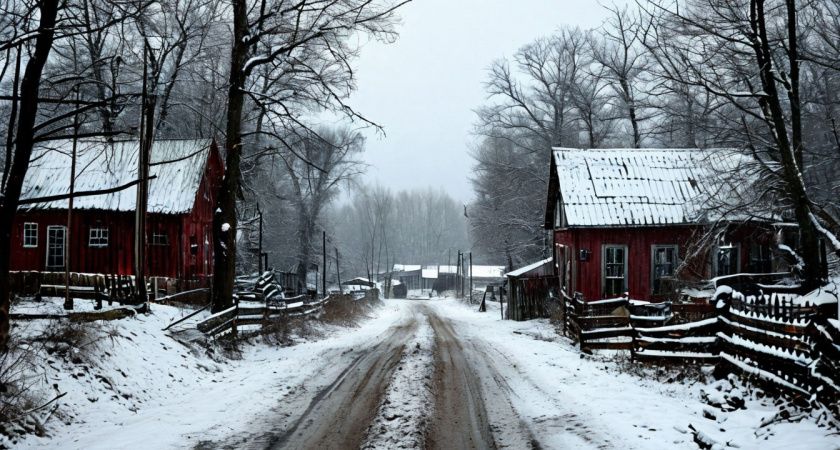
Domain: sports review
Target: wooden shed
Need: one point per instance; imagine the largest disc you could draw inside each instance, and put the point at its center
(182, 199)
(529, 290)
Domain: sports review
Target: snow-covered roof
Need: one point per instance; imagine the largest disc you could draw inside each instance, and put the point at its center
(429, 273)
(487, 271)
(435, 271)
(448, 269)
(406, 267)
(638, 187)
(178, 164)
(528, 268)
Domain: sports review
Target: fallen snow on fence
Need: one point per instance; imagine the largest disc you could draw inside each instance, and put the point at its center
(766, 349)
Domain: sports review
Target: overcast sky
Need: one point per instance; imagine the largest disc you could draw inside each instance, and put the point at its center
(424, 87)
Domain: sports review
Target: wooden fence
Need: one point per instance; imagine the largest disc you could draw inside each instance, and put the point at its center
(235, 316)
(770, 337)
(112, 288)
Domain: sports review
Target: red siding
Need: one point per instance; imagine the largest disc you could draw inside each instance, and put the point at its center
(176, 259)
(586, 276)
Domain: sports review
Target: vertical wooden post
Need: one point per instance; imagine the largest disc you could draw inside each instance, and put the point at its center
(68, 299)
(98, 294)
(260, 254)
(338, 272)
(324, 269)
(147, 116)
(471, 279)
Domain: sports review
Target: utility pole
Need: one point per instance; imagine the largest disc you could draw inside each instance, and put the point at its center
(338, 272)
(68, 300)
(147, 116)
(471, 279)
(460, 277)
(260, 255)
(324, 270)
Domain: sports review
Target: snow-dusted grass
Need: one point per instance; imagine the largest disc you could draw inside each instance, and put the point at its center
(142, 389)
(145, 390)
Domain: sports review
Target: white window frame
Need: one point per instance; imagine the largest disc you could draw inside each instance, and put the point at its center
(676, 263)
(63, 247)
(30, 226)
(98, 237)
(715, 268)
(604, 250)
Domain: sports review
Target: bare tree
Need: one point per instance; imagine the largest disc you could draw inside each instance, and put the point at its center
(307, 47)
(747, 54)
(32, 27)
(621, 53)
(506, 215)
(316, 166)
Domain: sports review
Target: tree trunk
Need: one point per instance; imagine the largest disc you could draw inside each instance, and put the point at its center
(305, 236)
(23, 151)
(224, 219)
(790, 152)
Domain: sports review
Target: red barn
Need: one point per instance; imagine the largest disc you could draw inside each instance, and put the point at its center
(625, 220)
(100, 238)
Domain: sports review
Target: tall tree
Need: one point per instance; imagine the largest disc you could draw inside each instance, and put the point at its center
(307, 46)
(621, 53)
(747, 54)
(316, 167)
(31, 27)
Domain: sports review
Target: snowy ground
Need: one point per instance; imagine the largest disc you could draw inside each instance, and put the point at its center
(142, 389)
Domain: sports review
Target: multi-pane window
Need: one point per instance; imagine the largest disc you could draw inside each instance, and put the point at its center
(727, 260)
(614, 267)
(663, 265)
(159, 238)
(56, 236)
(98, 237)
(30, 234)
(760, 261)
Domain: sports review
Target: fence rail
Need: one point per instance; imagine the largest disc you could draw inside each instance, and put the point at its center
(774, 337)
(237, 315)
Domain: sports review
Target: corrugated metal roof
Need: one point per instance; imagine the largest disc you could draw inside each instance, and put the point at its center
(103, 165)
(530, 267)
(637, 187)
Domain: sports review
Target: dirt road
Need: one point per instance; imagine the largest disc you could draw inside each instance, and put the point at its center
(357, 399)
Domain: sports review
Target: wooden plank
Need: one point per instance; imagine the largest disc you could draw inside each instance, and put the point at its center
(789, 328)
(786, 342)
(676, 358)
(606, 345)
(607, 333)
(589, 322)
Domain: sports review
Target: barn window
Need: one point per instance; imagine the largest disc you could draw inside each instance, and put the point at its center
(98, 237)
(760, 261)
(614, 267)
(663, 265)
(159, 238)
(727, 260)
(30, 234)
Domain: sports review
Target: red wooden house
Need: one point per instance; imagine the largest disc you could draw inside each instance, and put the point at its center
(627, 220)
(181, 202)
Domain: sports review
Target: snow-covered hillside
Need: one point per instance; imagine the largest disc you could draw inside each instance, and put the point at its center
(140, 388)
